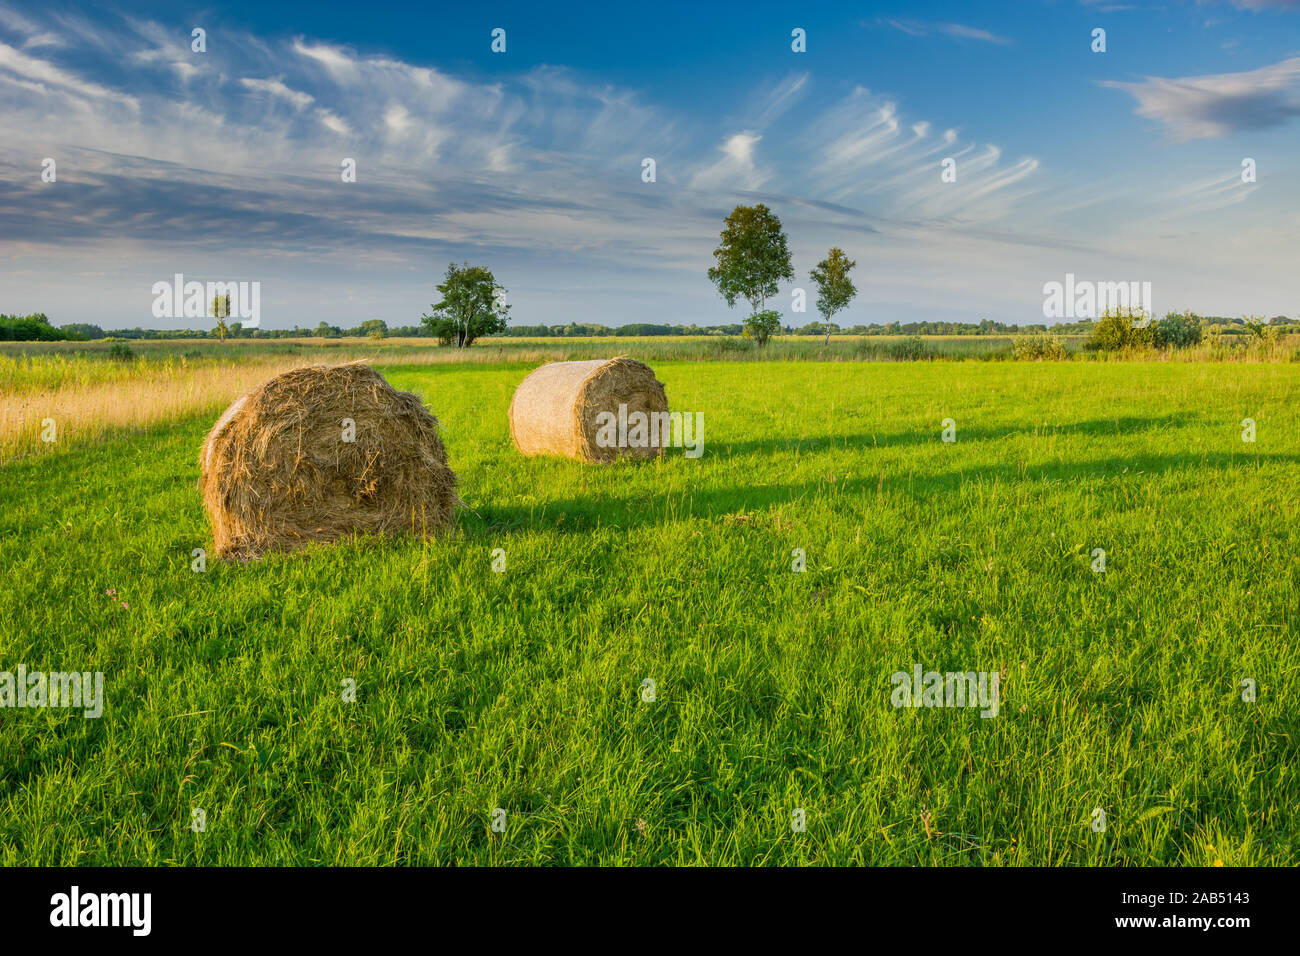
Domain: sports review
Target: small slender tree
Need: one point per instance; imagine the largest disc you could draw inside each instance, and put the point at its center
(835, 290)
(220, 310)
(750, 262)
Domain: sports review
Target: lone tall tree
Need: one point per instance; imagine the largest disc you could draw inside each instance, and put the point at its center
(220, 310)
(835, 290)
(472, 305)
(751, 260)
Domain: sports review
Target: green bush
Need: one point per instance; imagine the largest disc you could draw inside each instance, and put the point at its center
(120, 352)
(1116, 331)
(1179, 330)
(1036, 348)
(761, 326)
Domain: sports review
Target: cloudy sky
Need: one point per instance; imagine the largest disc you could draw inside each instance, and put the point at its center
(225, 164)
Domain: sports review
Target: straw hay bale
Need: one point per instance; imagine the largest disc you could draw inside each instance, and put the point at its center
(277, 471)
(555, 409)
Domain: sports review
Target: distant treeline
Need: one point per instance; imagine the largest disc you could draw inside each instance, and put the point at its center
(37, 328)
(592, 330)
(371, 328)
(29, 328)
(990, 327)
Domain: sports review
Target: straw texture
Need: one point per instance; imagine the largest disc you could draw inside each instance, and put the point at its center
(277, 473)
(555, 408)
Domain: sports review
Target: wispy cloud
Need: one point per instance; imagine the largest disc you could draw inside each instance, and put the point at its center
(1205, 107)
(275, 87)
(863, 151)
(1266, 4)
(46, 76)
(958, 31)
(264, 128)
(735, 170)
(33, 35)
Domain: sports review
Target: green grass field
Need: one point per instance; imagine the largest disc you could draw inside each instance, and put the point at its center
(523, 690)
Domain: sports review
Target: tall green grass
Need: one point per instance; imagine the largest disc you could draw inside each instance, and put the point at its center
(523, 690)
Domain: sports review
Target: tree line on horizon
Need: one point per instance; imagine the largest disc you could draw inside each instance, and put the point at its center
(37, 328)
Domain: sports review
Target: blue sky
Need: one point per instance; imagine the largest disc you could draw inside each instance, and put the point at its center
(224, 165)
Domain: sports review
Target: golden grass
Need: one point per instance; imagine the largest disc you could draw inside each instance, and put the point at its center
(90, 402)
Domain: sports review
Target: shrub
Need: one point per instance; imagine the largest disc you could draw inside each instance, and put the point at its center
(1116, 331)
(1034, 348)
(762, 325)
(1264, 337)
(1179, 330)
(120, 352)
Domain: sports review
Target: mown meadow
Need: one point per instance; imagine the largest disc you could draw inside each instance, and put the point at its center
(528, 689)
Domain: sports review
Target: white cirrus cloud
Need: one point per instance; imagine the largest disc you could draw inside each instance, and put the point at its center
(735, 169)
(958, 31)
(46, 74)
(276, 88)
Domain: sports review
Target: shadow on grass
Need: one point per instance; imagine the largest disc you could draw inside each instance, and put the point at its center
(609, 503)
(1119, 426)
(615, 510)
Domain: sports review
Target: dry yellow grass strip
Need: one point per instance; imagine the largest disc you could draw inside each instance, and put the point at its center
(81, 410)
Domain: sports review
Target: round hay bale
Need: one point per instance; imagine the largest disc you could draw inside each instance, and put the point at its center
(277, 470)
(555, 409)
